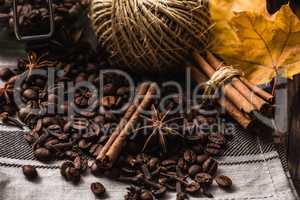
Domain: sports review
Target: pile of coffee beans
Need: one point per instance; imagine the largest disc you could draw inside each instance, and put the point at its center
(34, 14)
(55, 98)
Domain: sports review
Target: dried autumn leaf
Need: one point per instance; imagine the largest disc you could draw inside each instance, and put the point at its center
(261, 46)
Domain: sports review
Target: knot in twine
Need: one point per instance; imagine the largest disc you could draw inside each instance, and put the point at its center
(222, 75)
(150, 36)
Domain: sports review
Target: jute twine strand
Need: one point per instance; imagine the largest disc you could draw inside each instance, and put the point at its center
(151, 35)
(221, 76)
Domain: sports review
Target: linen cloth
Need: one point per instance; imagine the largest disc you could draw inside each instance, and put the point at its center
(252, 162)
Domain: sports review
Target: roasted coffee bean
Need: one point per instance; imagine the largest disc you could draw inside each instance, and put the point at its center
(158, 193)
(223, 181)
(71, 154)
(29, 138)
(190, 156)
(192, 187)
(6, 73)
(80, 163)
(83, 144)
(213, 149)
(99, 119)
(98, 189)
(163, 180)
(153, 163)
(182, 164)
(181, 196)
(203, 179)
(194, 169)
(201, 158)
(147, 196)
(217, 139)
(64, 167)
(30, 94)
(47, 121)
(134, 193)
(108, 89)
(198, 148)
(30, 172)
(169, 162)
(108, 101)
(72, 174)
(95, 170)
(210, 166)
(42, 154)
(110, 117)
(52, 98)
(122, 91)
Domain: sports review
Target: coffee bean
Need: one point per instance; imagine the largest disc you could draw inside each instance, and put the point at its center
(210, 166)
(203, 179)
(63, 169)
(217, 139)
(181, 196)
(99, 119)
(108, 101)
(98, 189)
(108, 89)
(95, 170)
(201, 158)
(223, 181)
(182, 164)
(42, 154)
(213, 149)
(198, 148)
(47, 121)
(30, 172)
(194, 169)
(122, 91)
(153, 162)
(83, 144)
(30, 94)
(52, 98)
(190, 156)
(147, 196)
(168, 162)
(73, 174)
(192, 187)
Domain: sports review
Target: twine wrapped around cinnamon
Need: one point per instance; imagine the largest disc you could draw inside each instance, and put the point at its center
(222, 75)
(242, 98)
(151, 36)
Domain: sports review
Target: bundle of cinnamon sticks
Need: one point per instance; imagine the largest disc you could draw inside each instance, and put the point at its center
(112, 149)
(242, 98)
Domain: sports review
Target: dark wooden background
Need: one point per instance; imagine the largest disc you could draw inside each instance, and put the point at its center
(293, 138)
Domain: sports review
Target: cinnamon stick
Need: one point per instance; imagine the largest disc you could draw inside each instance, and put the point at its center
(260, 92)
(229, 91)
(141, 91)
(257, 101)
(113, 147)
(242, 118)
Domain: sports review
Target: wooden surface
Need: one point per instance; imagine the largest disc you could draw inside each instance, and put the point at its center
(293, 138)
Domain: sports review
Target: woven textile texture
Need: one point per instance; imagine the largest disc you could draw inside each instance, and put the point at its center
(256, 168)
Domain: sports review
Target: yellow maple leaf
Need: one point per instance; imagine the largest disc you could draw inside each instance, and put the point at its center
(262, 46)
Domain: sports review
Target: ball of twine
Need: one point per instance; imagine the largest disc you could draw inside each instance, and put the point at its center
(151, 36)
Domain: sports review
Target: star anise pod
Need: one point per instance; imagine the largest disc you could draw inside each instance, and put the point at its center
(34, 62)
(159, 123)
